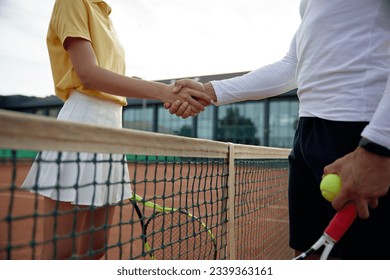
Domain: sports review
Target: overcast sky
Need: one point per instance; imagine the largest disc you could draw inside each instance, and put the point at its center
(163, 39)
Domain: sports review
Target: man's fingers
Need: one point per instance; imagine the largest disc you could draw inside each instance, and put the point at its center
(187, 113)
(201, 96)
(196, 105)
(362, 206)
(174, 107)
(373, 203)
(182, 109)
(362, 209)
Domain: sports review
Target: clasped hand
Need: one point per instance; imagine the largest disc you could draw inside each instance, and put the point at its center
(198, 93)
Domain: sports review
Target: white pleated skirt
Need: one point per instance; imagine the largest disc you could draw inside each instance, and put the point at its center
(94, 179)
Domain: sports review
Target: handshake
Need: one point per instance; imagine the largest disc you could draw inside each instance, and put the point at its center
(191, 97)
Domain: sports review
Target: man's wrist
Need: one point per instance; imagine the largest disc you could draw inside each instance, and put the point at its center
(209, 89)
(374, 148)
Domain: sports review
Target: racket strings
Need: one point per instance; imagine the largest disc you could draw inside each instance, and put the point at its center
(177, 235)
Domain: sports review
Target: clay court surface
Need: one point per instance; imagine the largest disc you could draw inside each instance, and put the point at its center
(24, 203)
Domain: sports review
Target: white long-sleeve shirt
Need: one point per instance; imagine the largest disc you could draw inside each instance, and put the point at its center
(339, 59)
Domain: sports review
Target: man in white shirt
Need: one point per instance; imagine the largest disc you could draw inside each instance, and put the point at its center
(339, 59)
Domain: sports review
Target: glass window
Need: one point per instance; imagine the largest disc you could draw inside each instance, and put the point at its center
(282, 122)
(53, 112)
(241, 123)
(140, 118)
(205, 123)
(41, 112)
(171, 124)
(47, 111)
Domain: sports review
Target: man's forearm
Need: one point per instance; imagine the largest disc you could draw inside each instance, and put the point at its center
(378, 130)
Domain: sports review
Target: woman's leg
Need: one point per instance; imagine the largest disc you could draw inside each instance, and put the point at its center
(64, 219)
(94, 234)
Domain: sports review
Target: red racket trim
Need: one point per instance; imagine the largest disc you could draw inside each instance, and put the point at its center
(341, 222)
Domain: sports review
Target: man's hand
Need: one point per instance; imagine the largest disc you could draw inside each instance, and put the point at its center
(187, 102)
(365, 177)
(192, 88)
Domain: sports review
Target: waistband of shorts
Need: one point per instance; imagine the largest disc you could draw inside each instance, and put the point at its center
(76, 95)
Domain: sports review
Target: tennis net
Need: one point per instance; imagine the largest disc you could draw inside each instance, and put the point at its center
(233, 198)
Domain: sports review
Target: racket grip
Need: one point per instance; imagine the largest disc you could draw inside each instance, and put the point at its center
(341, 222)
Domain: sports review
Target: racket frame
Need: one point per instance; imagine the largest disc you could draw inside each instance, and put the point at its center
(336, 229)
(146, 248)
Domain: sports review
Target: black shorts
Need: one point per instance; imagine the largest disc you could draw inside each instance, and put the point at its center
(317, 143)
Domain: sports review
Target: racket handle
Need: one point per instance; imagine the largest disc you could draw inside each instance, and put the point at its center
(341, 222)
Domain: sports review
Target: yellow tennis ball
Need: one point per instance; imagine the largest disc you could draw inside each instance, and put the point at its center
(330, 186)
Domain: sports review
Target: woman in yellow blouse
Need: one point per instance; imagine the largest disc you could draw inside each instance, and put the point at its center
(88, 67)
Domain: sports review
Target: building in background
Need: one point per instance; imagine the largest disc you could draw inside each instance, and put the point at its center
(270, 122)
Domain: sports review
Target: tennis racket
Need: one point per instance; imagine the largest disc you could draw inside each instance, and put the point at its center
(172, 233)
(337, 227)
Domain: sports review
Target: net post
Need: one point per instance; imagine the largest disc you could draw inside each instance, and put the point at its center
(231, 196)
(224, 215)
